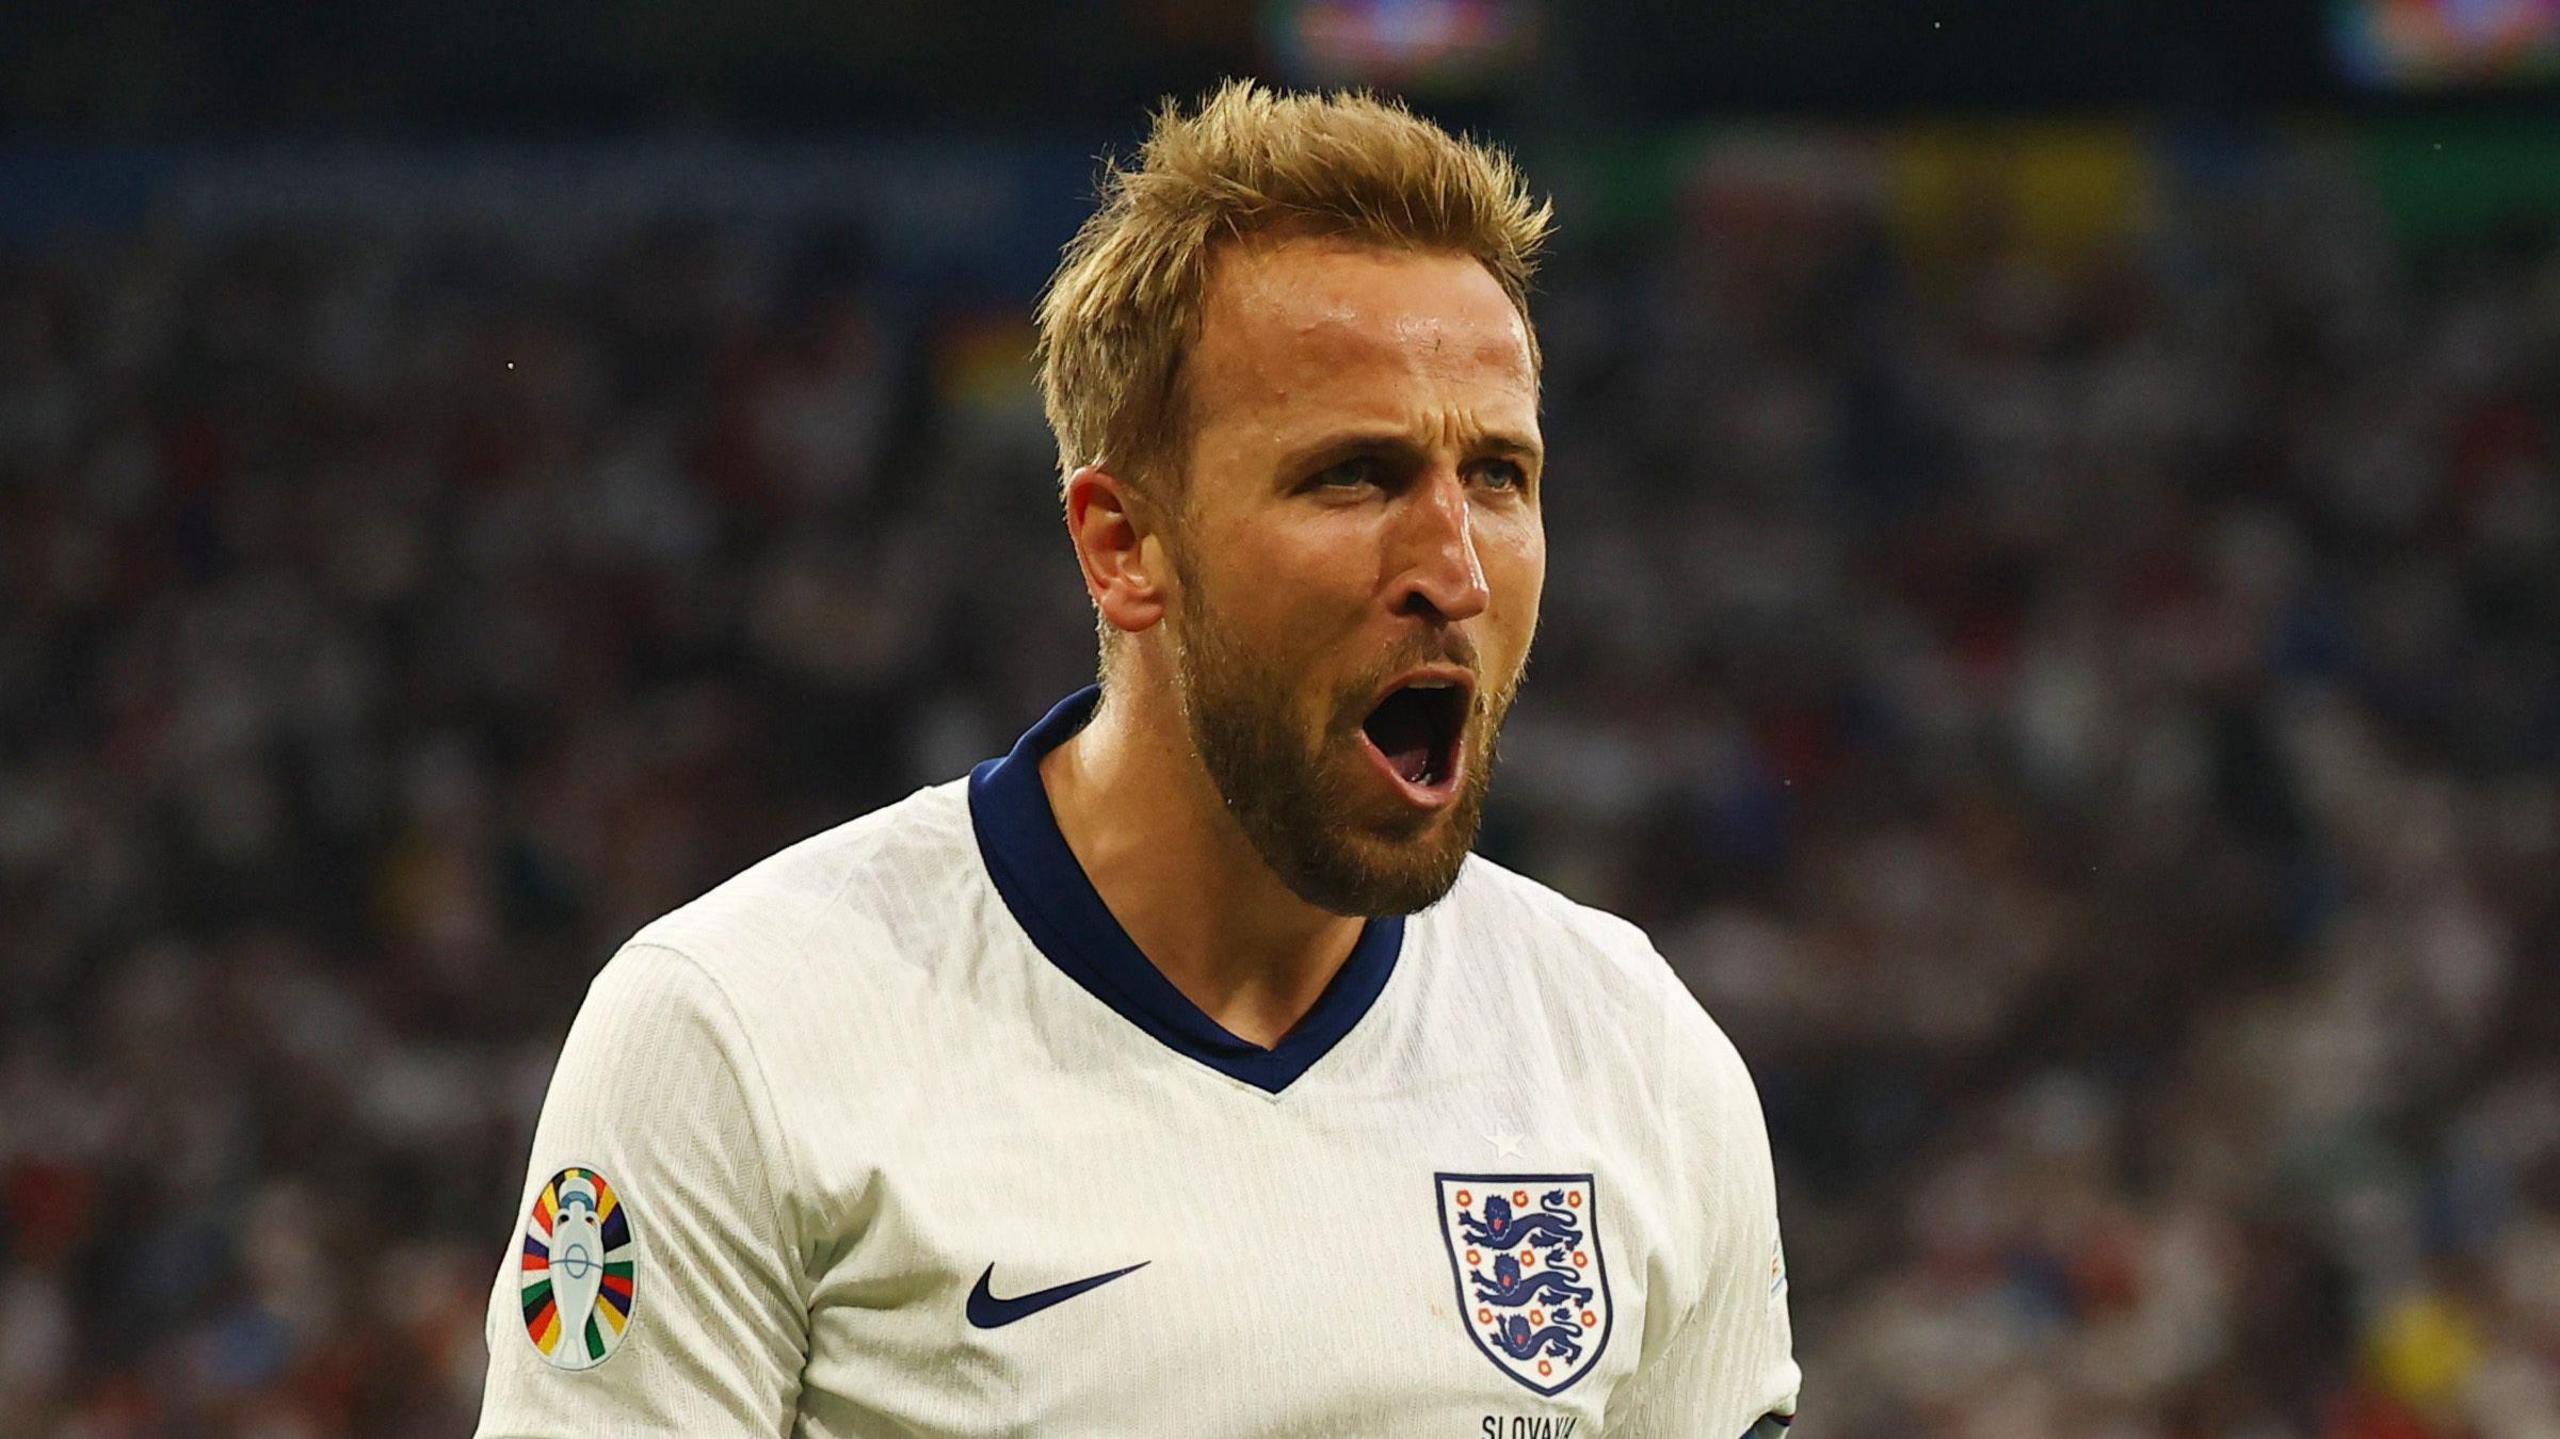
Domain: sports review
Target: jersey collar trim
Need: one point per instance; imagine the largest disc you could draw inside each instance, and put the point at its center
(1054, 901)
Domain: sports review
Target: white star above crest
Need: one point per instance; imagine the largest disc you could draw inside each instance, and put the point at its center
(1506, 1145)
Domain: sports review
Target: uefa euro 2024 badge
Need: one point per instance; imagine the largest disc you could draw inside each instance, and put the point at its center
(1532, 1285)
(579, 1269)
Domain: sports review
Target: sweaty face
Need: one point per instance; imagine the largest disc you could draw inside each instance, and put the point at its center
(1359, 562)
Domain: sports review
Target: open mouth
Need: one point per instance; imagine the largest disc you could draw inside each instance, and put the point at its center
(1416, 731)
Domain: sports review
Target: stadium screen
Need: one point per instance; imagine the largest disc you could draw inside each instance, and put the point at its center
(2446, 44)
(1424, 46)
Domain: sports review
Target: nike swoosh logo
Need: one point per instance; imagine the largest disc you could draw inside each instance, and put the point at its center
(986, 1311)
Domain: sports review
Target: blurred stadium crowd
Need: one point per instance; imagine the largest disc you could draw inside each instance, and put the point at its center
(2082, 711)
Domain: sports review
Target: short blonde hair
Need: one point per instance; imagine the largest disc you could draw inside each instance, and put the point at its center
(1125, 304)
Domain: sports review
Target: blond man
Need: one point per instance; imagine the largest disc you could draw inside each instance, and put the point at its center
(1182, 1072)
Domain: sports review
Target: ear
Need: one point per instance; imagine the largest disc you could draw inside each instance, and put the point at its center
(1121, 548)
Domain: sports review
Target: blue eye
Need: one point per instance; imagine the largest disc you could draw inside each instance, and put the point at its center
(1504, 474)
(1359, 470)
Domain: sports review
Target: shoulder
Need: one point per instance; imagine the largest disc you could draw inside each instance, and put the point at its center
(799, 982)
(1489, 898)
(872, 890)
(1564, 942)
(816, 956)
(1598, 974)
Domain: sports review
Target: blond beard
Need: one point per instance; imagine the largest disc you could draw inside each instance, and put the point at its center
(1303, 808)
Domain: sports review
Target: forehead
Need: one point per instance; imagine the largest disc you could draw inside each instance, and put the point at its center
(1346, 325)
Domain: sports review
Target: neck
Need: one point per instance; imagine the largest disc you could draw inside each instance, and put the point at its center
(1174, 868)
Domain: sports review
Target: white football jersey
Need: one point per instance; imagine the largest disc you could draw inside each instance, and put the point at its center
(898, 1134)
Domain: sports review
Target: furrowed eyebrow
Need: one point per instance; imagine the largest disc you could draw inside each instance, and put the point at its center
(1333, 449)
(1396, 443)
(1509, 447)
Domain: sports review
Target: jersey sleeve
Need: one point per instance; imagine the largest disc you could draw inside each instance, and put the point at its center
(651, 1285)
(1728, 1369)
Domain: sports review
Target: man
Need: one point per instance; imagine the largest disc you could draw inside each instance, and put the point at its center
(1181, 1072)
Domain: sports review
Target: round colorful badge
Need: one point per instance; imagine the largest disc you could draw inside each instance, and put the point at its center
(578, 1270)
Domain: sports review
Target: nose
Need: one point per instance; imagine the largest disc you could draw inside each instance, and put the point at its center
(1439, 576)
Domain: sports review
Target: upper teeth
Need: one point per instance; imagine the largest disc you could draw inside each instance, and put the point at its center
(1433, 685)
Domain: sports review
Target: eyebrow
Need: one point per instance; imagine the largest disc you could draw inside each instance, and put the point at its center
(1343, 446)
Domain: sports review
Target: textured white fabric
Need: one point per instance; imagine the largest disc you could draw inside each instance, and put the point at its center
(835, 1090)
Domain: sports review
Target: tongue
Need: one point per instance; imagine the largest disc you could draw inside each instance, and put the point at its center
(1402, 732)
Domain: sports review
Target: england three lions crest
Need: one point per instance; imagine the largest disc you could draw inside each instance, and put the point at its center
(1532, 1285)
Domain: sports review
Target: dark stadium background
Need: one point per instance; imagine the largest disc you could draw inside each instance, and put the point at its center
(2054, 628)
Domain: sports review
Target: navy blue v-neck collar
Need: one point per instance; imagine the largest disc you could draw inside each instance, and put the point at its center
(1050, 895)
